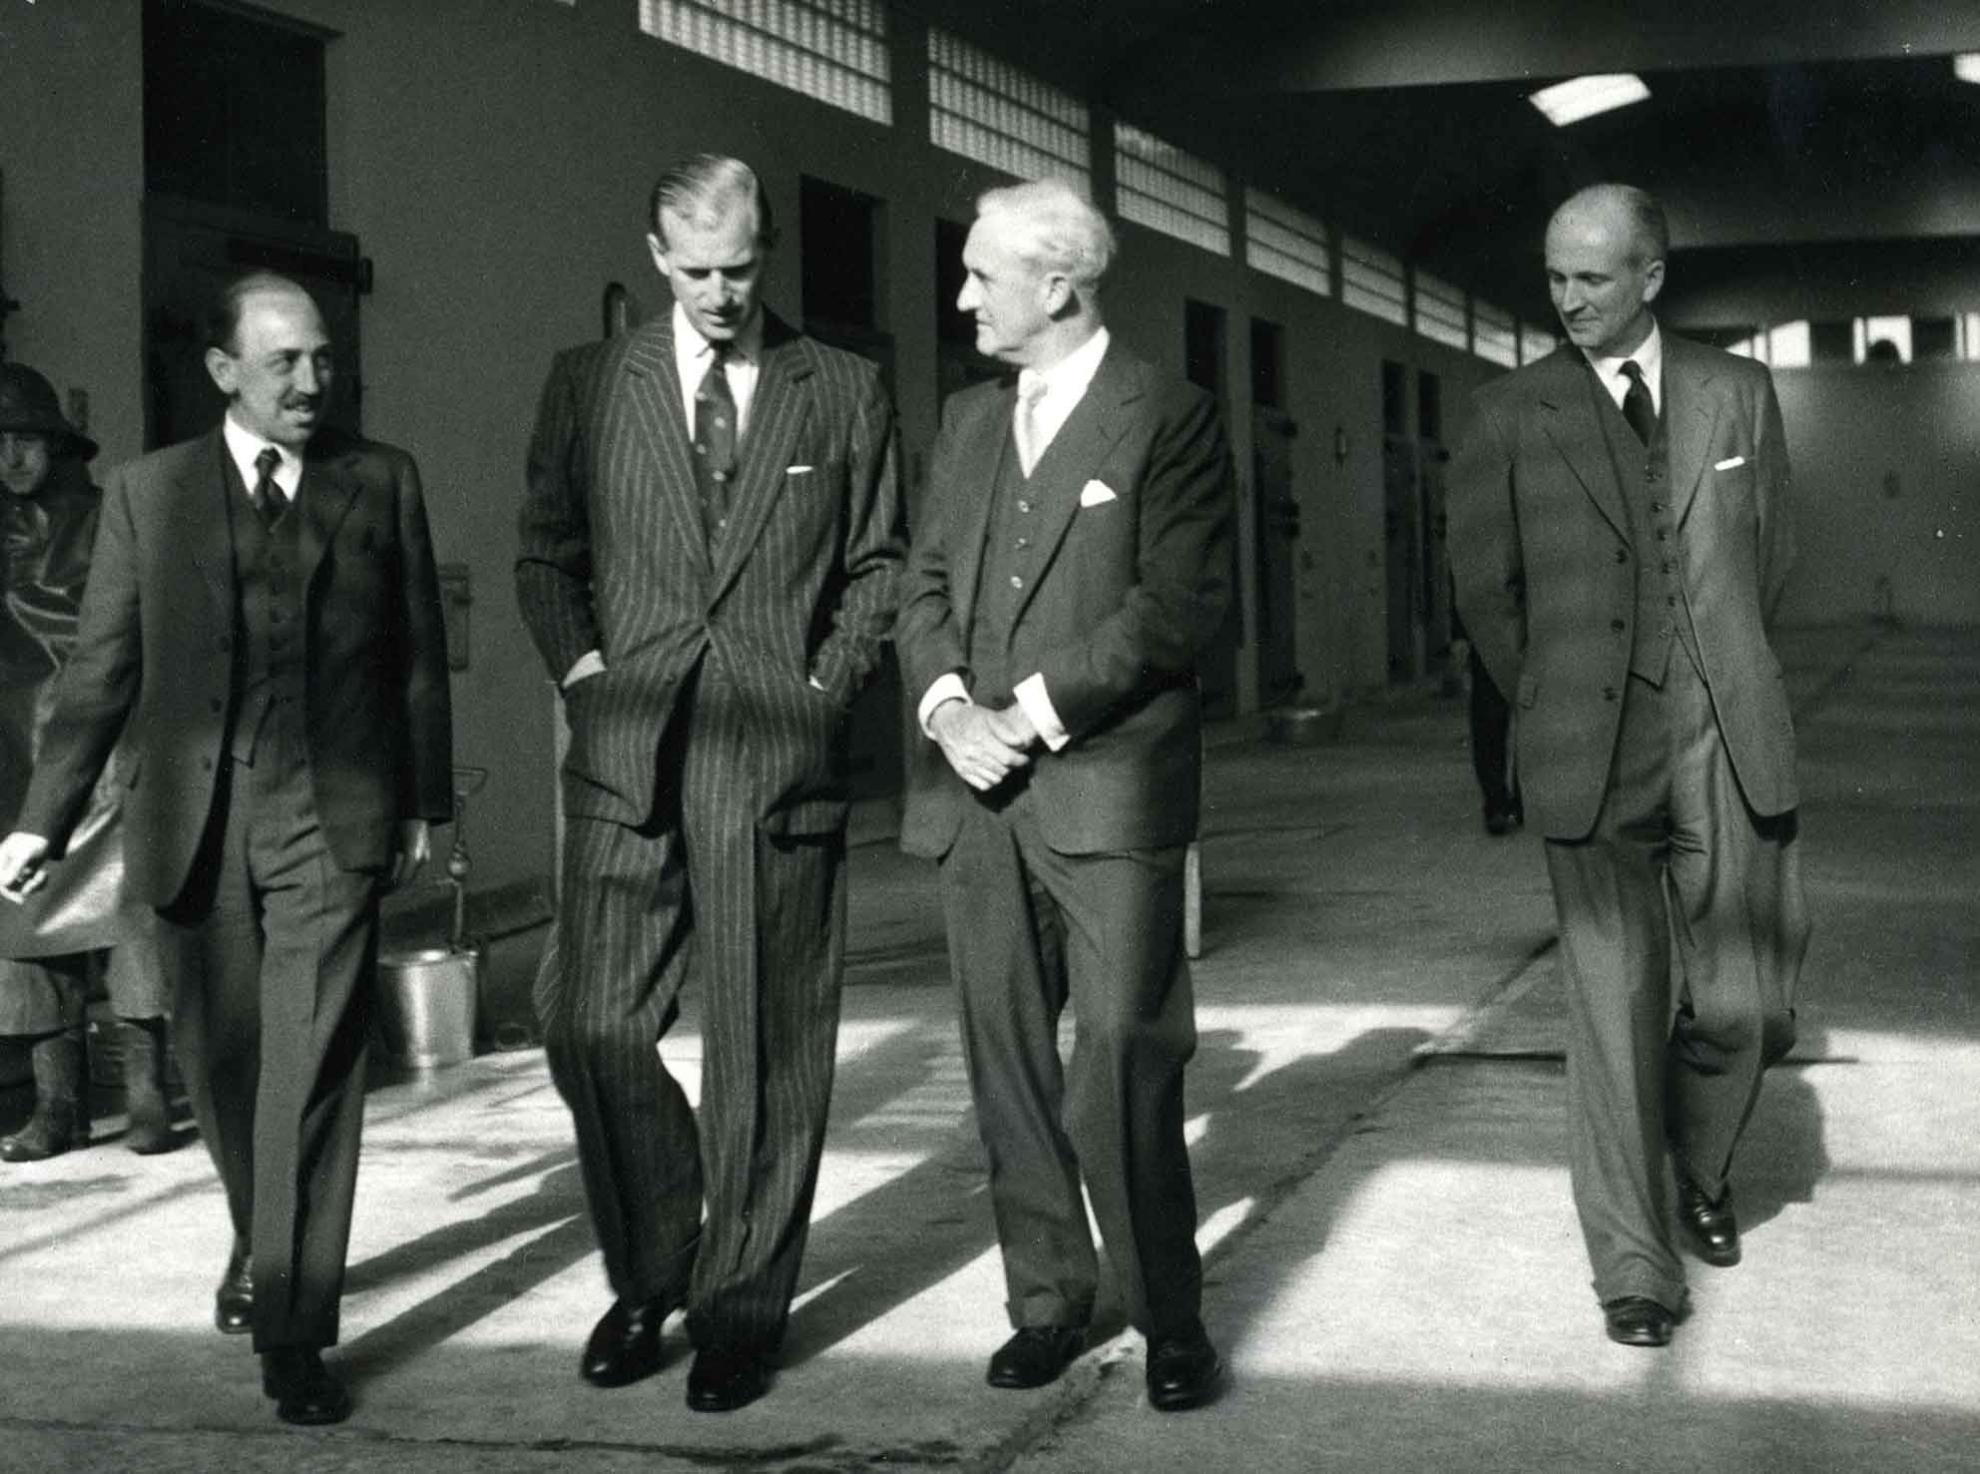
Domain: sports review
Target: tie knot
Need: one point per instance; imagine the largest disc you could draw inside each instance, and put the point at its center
(1031, 389)
(267, 461)
(1632, 370)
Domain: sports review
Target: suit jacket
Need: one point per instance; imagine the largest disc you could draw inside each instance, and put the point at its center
(1130, 590)
(155, 649)
(1546, 574)
(800, 587)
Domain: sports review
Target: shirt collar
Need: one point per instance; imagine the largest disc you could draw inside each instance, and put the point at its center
(690, 347)
(1071, 375)
(245, 447)
(1649, 355)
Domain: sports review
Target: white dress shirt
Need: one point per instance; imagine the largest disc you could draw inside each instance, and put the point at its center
(1066, 383)
(1649, 356)
(246, 447)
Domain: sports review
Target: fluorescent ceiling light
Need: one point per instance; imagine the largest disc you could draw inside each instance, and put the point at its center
(1584, 97)
(1966, 66)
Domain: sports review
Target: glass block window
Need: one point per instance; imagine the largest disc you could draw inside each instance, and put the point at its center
(1440, 311)
(832, 50)
(1494, 335)
(1535, 343)
(1160, 186)
(1895, 331)
(1287, 243)
(987, 110)
(1372, 281)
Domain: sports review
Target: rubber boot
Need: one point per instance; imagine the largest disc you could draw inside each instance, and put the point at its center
(61, 1101)
(143, 1044)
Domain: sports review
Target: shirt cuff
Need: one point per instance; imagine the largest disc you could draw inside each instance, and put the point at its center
(948, 687)
(1030, 693)
(590, 663)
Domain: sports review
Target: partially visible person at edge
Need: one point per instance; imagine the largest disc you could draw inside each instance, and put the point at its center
(52, 948)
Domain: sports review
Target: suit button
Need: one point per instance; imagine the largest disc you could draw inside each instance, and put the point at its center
(1023, 506)
(216, 703)
(1016, 582)
(1617, 625)
(1622, 555)
(1656, 506)
(206, 763)
(1608, 693)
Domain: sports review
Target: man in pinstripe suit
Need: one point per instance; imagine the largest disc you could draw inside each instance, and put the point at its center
(710, 539)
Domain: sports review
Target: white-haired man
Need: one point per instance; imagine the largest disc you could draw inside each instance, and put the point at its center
(1072, 560)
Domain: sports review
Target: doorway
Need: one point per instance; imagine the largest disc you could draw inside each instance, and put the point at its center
(236, 179)
(1204, 338)
(1275, 518)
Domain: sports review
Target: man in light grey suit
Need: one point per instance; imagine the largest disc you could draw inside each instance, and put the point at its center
(710, 538)
(1620, 538)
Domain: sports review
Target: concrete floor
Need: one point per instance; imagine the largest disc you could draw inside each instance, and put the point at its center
(1393, 1266)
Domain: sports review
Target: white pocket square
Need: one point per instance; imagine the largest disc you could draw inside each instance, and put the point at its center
(1729, 463)
(1095, 493)
(796, 470)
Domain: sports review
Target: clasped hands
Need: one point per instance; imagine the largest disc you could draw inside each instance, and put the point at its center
(985, 745)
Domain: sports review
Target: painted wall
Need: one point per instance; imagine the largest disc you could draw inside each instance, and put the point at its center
(493, 159)
(1886, 480)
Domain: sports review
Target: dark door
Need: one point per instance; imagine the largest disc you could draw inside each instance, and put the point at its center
(1275, 518)
(190, 251)
(236, 177)
(1435, 576)
(1401, 532)
(1203, 362)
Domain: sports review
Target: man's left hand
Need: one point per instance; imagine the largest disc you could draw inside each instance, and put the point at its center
(415, 849)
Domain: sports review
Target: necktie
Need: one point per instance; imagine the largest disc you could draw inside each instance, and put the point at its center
(1031, 392)
(715, 436)
(1636, 406)
(268, 498)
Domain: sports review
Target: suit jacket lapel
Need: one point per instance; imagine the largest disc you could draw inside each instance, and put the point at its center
(1690, 416)
(980, 453)
(329, 486)
(1571, 420)
(653, 391)
(200, 516)
(776, 413)
(1097, 422)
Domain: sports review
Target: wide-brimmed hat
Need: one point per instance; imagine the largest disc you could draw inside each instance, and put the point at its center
(28, 406)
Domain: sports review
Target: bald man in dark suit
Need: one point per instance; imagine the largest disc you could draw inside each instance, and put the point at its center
(709, 545)
(1620, 538)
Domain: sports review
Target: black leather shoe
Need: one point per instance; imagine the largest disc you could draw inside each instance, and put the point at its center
(723, 1379)
(1500, 822)
(1636, 1321)
(1035, 1356)
(1183, 1371)
(233, 1302)
(1711, 1227)
(306, 1392)
(625, 1344)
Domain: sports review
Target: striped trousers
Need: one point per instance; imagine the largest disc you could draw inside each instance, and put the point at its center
(759, 922)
